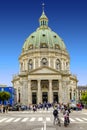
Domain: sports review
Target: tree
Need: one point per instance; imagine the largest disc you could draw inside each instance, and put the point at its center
(4, 96)
(84, 97)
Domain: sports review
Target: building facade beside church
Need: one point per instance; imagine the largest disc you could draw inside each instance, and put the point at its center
(80, 91)
(11, 91)
(44, 74)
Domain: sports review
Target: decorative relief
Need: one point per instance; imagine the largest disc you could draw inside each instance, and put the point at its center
(44, 61)
(44, 84)
(34, 85)
(55, 85)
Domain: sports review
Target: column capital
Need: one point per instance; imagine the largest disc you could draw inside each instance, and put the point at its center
(38, 81)
(50, 80)
(29, 82)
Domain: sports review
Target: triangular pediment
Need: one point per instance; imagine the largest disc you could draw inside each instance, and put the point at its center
(44, 70)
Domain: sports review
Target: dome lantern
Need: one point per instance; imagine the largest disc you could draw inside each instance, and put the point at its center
(43, 20)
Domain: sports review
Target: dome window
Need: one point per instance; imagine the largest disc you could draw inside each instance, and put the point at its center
(55, 36)
(31, 47)
(57, 46)
(44, 35)
(43, 45)
(32, 36)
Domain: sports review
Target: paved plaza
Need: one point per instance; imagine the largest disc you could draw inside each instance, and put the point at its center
(41, 120)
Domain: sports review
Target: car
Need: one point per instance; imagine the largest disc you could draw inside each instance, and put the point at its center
(73, 106)
(23, 107)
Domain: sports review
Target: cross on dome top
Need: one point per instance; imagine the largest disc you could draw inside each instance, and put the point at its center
(43, 7)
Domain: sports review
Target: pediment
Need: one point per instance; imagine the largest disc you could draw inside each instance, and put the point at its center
(44, 70)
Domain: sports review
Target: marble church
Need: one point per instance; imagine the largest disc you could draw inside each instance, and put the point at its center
(44, 74)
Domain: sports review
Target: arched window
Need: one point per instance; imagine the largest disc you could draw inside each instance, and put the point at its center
(43, 45)
(30, 64)
(44, 61)
(41, 22)
(21, 66)
(67, 65)
(58, 64)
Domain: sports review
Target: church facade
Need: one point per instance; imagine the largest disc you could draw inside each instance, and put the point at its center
(44, 74)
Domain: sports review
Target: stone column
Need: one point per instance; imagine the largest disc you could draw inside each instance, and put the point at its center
(60, 92)
(50, 97)
(34, 63)
(21, 91)
(49, 62)
(62, 65)
(39, 62)
(77, 94)
(39, 98)
(54, 64)
(29, 93)
(23, 67)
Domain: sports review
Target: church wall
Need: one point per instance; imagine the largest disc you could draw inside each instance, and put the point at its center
(51, 61)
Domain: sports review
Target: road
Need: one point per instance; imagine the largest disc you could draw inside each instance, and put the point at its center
(41, 120)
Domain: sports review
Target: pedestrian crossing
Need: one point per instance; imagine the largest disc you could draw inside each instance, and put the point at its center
(40, 119)
(39, 111)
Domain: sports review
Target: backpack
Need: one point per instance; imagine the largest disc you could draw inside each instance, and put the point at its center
(55, 112)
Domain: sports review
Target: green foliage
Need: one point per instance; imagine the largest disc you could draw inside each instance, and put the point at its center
(4, 96)
(84, 97)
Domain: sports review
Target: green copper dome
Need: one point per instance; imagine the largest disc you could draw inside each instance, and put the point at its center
(43, 37)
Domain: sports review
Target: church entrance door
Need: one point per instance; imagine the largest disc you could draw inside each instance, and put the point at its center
(34, 98)
(45, 97)
(55, 97)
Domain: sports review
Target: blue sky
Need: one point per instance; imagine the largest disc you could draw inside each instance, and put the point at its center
(19, 18)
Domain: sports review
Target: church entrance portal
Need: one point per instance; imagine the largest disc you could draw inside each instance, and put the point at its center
(45, 97)
(34, 98)
(55, 97)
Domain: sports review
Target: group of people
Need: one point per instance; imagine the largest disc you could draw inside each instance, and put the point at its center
(3, 108)
(65, 110)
